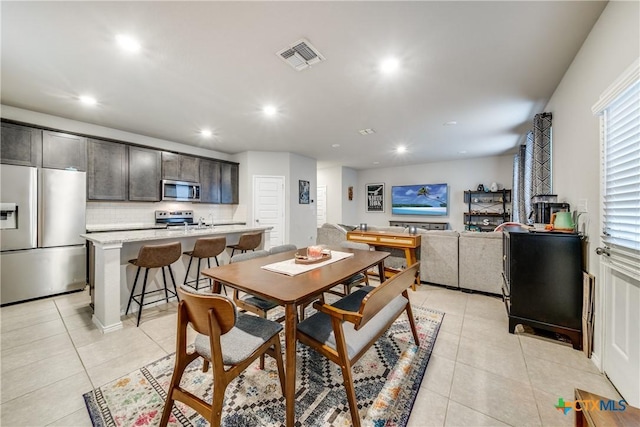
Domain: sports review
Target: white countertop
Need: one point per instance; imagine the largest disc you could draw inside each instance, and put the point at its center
(173, 233)
(99, 228)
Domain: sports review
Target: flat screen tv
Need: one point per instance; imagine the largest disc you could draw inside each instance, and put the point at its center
(428, 199)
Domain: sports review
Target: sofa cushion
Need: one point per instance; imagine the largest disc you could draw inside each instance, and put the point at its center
(481, 261)
(439, 257)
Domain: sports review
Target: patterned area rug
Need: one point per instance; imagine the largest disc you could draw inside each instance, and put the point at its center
(387, 379)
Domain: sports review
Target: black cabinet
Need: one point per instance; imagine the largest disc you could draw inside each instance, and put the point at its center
(209, 181)
(486, 210)
(229, 183)
(179, 167)
(145, 173)
(64, 151)
(21, 145)
(107, 170)
(543, 281)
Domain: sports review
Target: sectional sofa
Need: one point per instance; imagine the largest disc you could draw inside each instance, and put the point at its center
(466, 260)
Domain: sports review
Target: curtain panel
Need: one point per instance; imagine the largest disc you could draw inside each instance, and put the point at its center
(532, 168)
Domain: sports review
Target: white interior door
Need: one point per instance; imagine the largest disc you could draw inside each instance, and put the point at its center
(269, 207)
(321, 199)
(619, 107)
(622, 331)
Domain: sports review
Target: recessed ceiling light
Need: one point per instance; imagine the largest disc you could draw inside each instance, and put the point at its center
(376, 163)
(401, 149)
(88, 100)
(270, 110)
(367, 131)
(462, 152)
(450, 123)
(389, 65)
(335, 145)
(206, 133)
(128, 43)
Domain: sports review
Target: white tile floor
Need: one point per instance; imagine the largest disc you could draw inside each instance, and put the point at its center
(479, 374)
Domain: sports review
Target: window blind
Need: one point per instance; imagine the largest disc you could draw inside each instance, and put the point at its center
(621, 164)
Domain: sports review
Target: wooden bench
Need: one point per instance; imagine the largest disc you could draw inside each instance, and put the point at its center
(345, 330)
(587, 416)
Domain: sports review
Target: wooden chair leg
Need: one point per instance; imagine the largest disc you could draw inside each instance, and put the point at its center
(205, 365)
(351, 393)
(217, 402)
(412, 322)
(182, 361)
(277, 354)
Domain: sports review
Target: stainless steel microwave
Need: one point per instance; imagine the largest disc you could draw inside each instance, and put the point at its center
(181, 191)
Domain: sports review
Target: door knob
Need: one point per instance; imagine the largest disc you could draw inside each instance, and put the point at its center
(603, 251)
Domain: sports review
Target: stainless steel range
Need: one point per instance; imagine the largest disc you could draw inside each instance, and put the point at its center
(174, 218)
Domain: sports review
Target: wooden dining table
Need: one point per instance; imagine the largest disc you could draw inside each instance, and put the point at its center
(292, 291)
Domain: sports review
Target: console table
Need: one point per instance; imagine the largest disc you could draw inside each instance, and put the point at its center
(407, 242)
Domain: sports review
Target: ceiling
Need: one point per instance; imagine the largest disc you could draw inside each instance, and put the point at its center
(489, 66)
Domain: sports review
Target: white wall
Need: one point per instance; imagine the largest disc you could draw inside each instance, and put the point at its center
(332, 179)
(302, 224)
(300, 220)
(461, 175)
(612, 45)
(338, 179)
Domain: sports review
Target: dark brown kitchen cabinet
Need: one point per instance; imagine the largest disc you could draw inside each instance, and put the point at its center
(179, 167)
(209, 181)
(21, 145)
(64, 151)
(229, 183)
(542, 286)
(107, 170)
(145, 173)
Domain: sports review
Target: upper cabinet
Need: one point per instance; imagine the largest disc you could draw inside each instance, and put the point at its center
(21, 145)
(180, 167)
(229, 183)
(107, 170)
(209, 181)
(145, 173)
(64, 151)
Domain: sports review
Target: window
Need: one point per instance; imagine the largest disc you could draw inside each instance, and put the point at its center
(620, 124)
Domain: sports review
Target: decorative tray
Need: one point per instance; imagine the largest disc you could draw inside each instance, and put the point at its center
(303, 259)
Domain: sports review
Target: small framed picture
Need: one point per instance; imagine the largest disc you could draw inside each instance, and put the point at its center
(303, 192)
(375, 197)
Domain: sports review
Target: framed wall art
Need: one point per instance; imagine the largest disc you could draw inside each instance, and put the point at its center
(375, 197)
(303, 192)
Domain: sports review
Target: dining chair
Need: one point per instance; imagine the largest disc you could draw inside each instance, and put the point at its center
(359, 280)
(252, 303)
(282, 248)
(226, 340)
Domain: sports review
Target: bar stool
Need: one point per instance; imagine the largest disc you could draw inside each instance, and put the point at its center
(247, 242)
(154, 256)
(206, 247)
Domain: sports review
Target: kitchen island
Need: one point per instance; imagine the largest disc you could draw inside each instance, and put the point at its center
(113, 276)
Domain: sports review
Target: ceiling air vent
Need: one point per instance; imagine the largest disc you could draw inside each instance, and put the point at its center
(300, 55)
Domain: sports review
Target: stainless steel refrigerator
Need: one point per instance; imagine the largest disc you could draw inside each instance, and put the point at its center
(42, 214)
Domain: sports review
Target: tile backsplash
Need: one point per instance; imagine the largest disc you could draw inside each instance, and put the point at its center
(113, 213)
